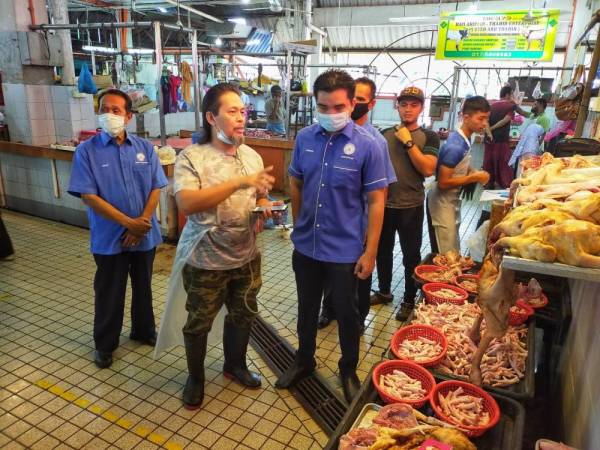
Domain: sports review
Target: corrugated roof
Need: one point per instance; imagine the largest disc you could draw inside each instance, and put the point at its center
(259, 41)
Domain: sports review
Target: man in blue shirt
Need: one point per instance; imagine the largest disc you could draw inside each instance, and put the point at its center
(118, 176)
(453, 173)
(335, 163)
(365, 102)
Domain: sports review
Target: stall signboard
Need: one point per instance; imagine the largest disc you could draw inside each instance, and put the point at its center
(499, 35)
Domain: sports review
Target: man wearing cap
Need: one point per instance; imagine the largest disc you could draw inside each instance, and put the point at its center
(413, 151)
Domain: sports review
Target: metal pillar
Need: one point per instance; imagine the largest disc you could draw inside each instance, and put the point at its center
(288, 88)
(196, 74)
(453, 98)
(587, 92)
(61, 16)
(158, 53)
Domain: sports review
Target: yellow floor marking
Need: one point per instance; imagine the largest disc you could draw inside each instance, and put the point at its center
(141, 431)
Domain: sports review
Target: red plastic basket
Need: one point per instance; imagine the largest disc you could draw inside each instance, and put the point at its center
(420, 270)
(412, 370)
(415, 331)
(463, 277)
(519, 318)
(430, 290)
(541, 305)
(489, 405)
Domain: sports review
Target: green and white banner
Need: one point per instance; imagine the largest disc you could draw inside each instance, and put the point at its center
(500, 35)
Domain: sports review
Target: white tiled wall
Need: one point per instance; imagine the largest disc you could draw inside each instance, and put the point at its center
(173, 122)
(71, 115)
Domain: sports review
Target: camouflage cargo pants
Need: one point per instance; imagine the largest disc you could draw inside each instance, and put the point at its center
(207, 290)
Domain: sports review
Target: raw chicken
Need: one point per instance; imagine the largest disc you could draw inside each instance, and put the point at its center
(557, 191)
(496, 296)
(573, 242)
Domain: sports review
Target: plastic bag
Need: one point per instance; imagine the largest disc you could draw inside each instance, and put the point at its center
(518, 95)
(478, 241)
(86, 83)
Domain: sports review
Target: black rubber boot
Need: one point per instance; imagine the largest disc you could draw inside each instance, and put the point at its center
(195, 351)
(235, 345)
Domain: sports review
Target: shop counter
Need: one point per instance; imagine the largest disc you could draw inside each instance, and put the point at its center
(34, 180)
(277, 153)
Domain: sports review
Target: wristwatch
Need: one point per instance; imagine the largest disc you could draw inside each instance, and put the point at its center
(408, 145)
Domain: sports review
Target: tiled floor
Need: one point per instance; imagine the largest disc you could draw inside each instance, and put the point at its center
(53, 396)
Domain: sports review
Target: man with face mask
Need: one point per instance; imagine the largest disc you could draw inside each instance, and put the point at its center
(334, 165)
(365, 102)
(119, 176)
(413, 151)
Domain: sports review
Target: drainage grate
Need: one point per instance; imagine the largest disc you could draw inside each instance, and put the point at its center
(314, 393)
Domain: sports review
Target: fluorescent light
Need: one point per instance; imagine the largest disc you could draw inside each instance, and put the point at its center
(253, 42)
(238, 20)
(246, 1)
(218, 42)
(92, 48)
(162, 9)
(140, 51)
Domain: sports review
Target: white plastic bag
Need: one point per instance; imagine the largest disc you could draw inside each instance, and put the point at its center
(478, 241)
(537, 91)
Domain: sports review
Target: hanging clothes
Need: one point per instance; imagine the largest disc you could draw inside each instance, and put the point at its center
(187, 77)
(165, 86)
(174, 83)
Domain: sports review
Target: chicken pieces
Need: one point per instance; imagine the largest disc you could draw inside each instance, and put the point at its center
(496, 296)
(573, 242)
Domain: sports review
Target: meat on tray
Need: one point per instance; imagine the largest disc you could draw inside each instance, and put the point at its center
(441, 275)
(448, 293)
(468, 284)
(502, 364)
(531, 293)
(396, 415)
(358, 438)
(453, 259)
(398, 384)
(464, 409)
(419, 349)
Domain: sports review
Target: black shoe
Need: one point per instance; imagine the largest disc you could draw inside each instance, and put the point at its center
(195, 352)
(361, 329)
(404, 312)
(235, 346)
(294, 374)
(102, 359)
(350, 385)
(324, 320)
(151, 341)
(378, 298)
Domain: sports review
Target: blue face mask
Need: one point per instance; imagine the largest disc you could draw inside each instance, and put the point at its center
(333, 122)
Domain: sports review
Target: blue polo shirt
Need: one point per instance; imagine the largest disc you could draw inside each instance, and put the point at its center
(337, 170)
(453, 151)
(390, 173)
(123, 176)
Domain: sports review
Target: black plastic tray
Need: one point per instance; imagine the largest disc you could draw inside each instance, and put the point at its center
(523, 390)
(506, 435)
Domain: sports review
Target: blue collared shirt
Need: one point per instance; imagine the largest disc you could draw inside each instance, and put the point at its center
(390, 173)
(337, 171)
(123, 176)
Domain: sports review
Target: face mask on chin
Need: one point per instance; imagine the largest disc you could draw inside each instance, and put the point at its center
(112, 124)
(333, 122)
(360, 109)
(228, 140)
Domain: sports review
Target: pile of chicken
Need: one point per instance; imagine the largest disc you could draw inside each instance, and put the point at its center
(503, 362)
(450, 265)
(419, 350)
(401, 386)
(463, 408)
(400, 427)
(551, 231)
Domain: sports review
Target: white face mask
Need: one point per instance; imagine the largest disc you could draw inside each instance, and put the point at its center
(333, 122)
(111, 123)
(228, 140)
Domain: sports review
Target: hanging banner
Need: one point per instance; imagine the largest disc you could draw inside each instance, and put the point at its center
(499, 35)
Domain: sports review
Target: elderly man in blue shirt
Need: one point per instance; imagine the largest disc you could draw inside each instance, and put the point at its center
(118, 176)
(365, 102)
(334, 165)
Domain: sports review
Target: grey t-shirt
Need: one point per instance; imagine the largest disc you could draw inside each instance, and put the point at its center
(231, 240)
(271, 110)
(408, 190)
